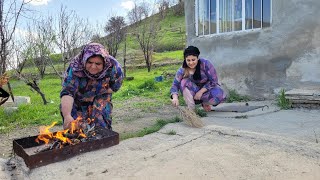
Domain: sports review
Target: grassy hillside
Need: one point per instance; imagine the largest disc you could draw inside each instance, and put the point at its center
(171, 37)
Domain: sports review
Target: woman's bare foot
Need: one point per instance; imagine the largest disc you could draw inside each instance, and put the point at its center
(206, 107)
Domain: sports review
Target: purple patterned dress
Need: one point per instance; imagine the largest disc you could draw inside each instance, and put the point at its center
(209, 80)
(91, 99)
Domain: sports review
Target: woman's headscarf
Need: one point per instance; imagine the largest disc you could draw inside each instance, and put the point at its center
(78, 63)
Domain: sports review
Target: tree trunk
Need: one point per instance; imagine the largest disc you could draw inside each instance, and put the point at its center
(35, 86)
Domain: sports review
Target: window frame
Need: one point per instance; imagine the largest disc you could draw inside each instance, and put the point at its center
(243, 13)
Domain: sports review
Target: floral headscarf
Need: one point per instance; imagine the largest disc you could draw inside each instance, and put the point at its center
(78, 63)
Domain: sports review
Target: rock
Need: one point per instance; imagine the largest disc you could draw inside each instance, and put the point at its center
(10, 110)
(18, 100)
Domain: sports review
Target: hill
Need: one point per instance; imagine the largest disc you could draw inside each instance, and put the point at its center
(171, 37)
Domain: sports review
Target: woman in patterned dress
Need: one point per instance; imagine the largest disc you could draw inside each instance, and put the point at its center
(197, 81)
(91, 78)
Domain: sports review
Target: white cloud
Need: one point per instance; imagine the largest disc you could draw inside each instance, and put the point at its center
(39, 2)
(127, 5)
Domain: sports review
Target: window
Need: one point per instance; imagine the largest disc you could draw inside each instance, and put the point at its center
(221, 16)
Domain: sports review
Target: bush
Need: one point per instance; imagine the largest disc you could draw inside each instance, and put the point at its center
(148, 85)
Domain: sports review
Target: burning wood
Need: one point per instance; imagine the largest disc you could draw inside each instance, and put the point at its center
(81, 131)
(51, 147)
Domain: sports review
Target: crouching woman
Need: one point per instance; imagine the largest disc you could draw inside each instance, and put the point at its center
(197, 81)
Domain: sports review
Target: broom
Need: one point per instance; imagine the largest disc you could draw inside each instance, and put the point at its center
(190, 117)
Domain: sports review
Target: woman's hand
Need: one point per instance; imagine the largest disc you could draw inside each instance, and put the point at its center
(198, 95)
(175, 100)
(109, 90)
(67, 122)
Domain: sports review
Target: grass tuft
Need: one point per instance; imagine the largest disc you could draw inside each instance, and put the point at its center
(235, 97)
(282, 101)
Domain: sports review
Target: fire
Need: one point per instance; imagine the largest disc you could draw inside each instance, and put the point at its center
(78, 130)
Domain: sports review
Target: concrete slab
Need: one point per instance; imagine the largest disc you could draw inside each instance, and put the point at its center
(265, 108)
(303, 124)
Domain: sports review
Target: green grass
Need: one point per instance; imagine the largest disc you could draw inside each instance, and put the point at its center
(156, 127)
(171, 37)
(282, 101)
(169, 56)
(235, 97)
(201, 112)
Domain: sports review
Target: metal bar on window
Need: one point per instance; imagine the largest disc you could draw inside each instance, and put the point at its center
(232, 15)
(261, 13)
(197, 17)
(271, 12)
(209, 21)
(218, 16)
(203, 19)
(252, 9)
(243, 15)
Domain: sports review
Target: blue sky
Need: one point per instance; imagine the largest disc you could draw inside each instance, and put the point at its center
(97, 12)
(94, 10)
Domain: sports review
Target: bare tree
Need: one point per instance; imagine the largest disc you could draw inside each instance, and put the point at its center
(25, 52)
(145, 32)
(115, 33)
(179, 8)
(163, 6)
(10, 12)
(138, 13)
(73, 33)
(42, 40)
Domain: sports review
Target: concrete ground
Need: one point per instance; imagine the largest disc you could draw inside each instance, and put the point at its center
(266, 143)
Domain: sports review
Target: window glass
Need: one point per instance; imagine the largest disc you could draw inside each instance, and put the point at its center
(201, 16)
(220, 16)
(225, 15)
(237, 15)
(213, 16)
(248, 8)
(266, 13)
(206, 22)
(257, 14)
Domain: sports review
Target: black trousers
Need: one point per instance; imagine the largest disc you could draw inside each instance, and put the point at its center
(3, 93)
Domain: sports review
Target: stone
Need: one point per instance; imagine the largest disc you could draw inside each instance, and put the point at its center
(18, 100)
(10, 110)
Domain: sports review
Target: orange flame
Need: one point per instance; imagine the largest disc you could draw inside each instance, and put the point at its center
(46, 136)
